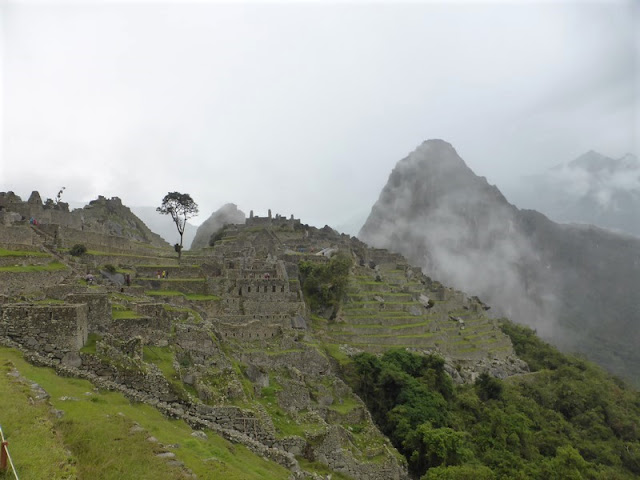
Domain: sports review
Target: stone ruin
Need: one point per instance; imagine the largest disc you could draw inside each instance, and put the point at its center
(271, 221)
(13, 209)
(260, 304)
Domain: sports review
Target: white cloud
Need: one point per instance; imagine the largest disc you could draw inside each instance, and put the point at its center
(302, 108)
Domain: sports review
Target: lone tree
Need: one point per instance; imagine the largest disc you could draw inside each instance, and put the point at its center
(181, 207)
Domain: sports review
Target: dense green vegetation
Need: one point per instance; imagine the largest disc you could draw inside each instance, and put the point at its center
(325, 284)
(566, 420)
(77, 250)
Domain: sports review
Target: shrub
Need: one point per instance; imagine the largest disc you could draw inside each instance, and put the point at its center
(77, 250)
(325, 285)
(110, 268)
(216, 237)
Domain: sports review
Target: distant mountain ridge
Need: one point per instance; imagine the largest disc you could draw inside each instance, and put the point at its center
(593, 189)
(575, 284)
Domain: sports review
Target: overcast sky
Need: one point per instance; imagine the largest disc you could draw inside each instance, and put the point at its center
(305, 107)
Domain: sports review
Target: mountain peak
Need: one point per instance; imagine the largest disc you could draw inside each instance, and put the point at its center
(593, 161)
(228, 213)
(461, 230)
(436, 150)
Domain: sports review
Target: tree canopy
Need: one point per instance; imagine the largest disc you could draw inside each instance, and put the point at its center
(566, 419)
(181, 207)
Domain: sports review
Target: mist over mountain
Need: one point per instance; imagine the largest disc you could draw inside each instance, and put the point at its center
(574, 284)
(225, 215)
(593, 189)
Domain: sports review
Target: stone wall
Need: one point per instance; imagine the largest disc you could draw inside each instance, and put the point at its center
(68, 237)
(308, 361)
(275, 318)
(99, 310)
(172, 271)
(329, 450)
(34, 208)
(115, 365)
(16, 235)
(248, 332)
(46, 328)
(26, 260)
(196, 286)
(195, 340)
(257, 307)
(381, 256)
(245, 421)
(59, 292)
(124, 260)
(153, 331)
(153, 310)
(261, 288)
(20, 283)
(269, 221)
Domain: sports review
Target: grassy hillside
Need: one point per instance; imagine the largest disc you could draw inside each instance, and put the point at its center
(86, 434)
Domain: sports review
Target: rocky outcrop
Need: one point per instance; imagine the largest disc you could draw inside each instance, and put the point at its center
(225, 215)
(109, 216)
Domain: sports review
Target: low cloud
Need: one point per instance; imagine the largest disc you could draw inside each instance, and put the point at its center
(462, 232)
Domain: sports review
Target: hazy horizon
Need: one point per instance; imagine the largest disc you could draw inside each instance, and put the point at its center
(303, 107)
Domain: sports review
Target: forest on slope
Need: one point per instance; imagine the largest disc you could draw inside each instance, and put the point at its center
(567, 419)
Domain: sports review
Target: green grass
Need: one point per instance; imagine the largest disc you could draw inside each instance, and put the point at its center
(333, 350)
(120, 314)
(120, 296)
(285, 425)
(422, 335)
(22, 253)
(348, 404)
(90, 346)
(51, 267)
(96, 429)
(198, 297)
(146, 279)
(201, 297)
(164, 293)
(360, 303)
(163, 358)
(28, 427)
